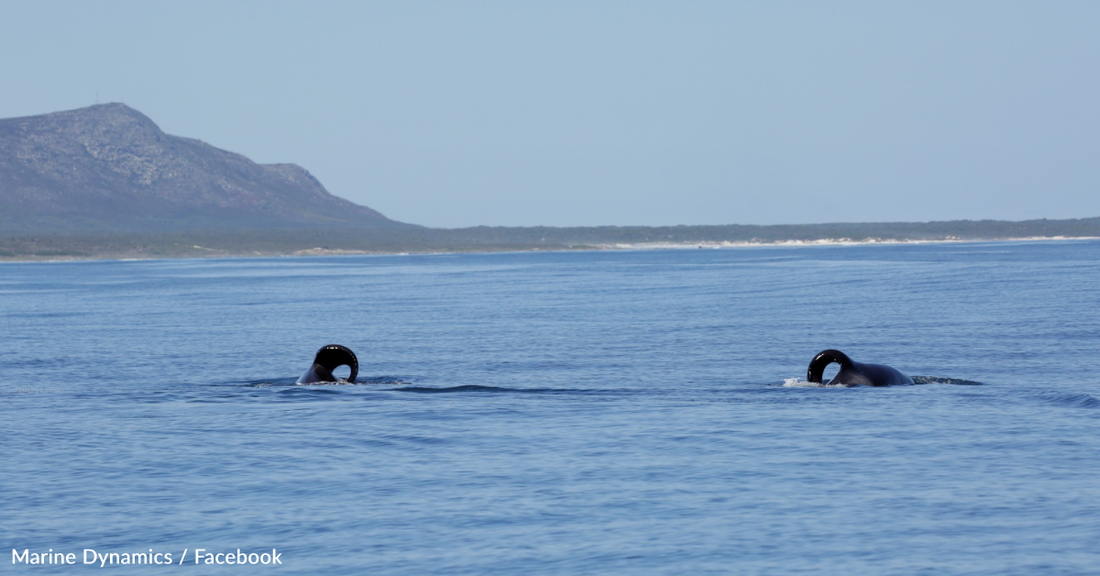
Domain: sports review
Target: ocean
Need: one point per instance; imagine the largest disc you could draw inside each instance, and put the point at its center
(605, 412)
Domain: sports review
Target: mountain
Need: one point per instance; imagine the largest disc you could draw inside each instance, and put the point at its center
(109, 168)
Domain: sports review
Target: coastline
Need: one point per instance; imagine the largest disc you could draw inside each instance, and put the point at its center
(63, 244)
(198, 251)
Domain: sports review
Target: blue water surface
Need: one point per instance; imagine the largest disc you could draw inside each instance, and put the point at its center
(560, 413)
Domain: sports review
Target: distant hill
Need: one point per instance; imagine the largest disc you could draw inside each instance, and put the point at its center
(110, 169)
(106, 182)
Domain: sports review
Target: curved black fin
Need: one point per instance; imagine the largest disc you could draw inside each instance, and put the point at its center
(332, 356)
(823, 359)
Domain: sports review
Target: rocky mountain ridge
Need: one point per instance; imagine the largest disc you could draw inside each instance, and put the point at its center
(110, 168)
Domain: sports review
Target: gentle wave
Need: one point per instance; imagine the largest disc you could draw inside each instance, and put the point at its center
(500, 390)
(292, 384)
(279, 382)
(799, 383)
(462, 388)
(1068, 399)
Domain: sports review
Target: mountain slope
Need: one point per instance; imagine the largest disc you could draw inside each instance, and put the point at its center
(110, 168)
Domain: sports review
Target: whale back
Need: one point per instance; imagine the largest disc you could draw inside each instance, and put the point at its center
(867, 374)
(329, 358)
(854, 373)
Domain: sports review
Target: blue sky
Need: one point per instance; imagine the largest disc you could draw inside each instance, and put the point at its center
(588, 113)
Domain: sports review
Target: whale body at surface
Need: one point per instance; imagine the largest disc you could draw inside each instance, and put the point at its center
(329, 358)
(854, 373)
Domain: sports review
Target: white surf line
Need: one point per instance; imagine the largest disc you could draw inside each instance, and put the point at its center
(827, 242)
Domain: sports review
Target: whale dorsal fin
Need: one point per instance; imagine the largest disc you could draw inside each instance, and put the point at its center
(823, 359)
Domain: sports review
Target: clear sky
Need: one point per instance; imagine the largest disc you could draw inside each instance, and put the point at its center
(587, 113)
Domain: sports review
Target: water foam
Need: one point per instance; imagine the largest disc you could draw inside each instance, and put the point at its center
(942, 380)
(800, 383)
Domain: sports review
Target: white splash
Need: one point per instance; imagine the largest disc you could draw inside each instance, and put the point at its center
(800, 383)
